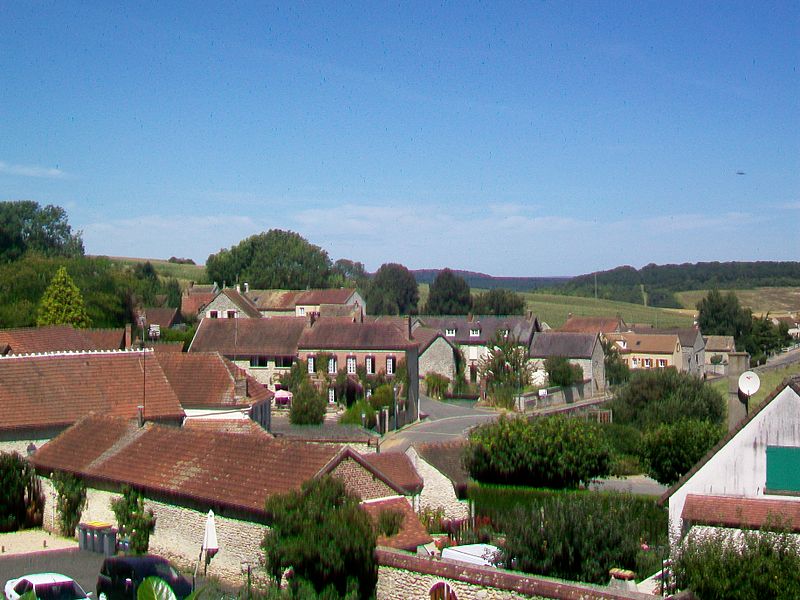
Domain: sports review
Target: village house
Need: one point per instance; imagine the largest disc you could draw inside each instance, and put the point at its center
(717, 353)
(231, 474)
(441, 467)
(196, 297)
(601, 325)
(437, 354)
(301, 303)
(651, 351)
(751, 477)
(693, 347)
(473, 335)
(581, 349)
(229, 303)
(62, 338)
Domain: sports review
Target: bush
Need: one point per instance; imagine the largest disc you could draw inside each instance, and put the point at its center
(19, 494)
(436, 385)
(308, 405)
(432, 519)
(670, 450)
(561, 372)
(382, 397)
(70, 501)
(135, 522)
(389, 522)
(756, 564)
(660, 396)
(581, 535)
(352, 416)
(555, 452)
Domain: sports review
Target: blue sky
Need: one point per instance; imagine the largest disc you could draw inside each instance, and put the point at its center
(514, 139)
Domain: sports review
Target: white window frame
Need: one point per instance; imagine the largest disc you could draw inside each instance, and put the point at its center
(301, 311)
(331, 396)
(370, 360)
(648, 362)
(332, 366)
(662, 362)
(474, 333)
(450, 332)
(390, 365)
(351, 365)
(312, 363)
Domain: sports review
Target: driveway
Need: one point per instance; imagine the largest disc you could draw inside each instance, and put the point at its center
(82, 566)
(445, 422)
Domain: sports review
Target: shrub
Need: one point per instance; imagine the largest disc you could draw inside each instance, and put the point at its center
(561, 372)
(670, 450)
(436, 385)
(308, 405)
(432, 519)
(18, 492)
(352, 416)
(755, 564)
(70, 501)
(553, 452)
(296, 376)
(135, 522)
(382, 397)
(389, 522)
(660, 396)
(581, 535)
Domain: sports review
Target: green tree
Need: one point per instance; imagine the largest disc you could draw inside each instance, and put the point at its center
(617, 371)
(555, 452)
(275, 260)
(70, 501)
(720, 314)
(655, 396)
(498, 302)
(322, 533)
(16, 491)
(393, 291)
(671, 449)
(135, 521)
(27, 226)
(505, 369)
(350, 273)
(561, 372)
(62, 303)
(308, 405)
(449, 295)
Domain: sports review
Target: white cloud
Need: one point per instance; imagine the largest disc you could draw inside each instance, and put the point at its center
(32, 171)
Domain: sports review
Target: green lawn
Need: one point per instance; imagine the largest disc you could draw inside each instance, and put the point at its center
(762, 300)
(184, 273)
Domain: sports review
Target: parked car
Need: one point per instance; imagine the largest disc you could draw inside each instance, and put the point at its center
(46, 586)
(120, 576)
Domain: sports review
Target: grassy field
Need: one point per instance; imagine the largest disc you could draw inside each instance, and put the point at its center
(769, 381)
(184, 273)
(760, 300)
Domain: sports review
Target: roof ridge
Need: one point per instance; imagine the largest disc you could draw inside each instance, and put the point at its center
(123, 441)
(135, 351)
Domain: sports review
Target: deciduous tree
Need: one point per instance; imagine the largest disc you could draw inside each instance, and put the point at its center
(670, 450)
(27, 226)
(62, 303)
(393, 291)
(498, 302)
(505, 369)
(449, 295)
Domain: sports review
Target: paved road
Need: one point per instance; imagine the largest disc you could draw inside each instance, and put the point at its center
(781, 360)
(82, 566)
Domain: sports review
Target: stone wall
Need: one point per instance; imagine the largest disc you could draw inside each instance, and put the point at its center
(438, 492)
(21, 446)
(404, 576)
(178, 535)
(438, 358)
(361, 482)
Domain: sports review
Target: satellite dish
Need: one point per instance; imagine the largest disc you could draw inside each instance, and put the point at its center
(749, 383)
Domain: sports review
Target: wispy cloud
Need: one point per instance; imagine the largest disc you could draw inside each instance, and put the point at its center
(32, 171)
(791, 205)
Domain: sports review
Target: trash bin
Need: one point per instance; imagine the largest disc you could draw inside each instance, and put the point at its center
(109, 541)
(95, 536)
(82, 537)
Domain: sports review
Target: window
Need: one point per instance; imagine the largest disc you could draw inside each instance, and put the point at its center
(634, 362)
(648, 363)
(331, 396)
(450, 332)
(259, 361)
(783, 476)
(312, 364)
(284, 362)
(662, 362)
(474, 332)
(301, 311)
(351, 365)
(332, 365)
(213, 314)
(390, 365)
(231, 314)
(370, 365)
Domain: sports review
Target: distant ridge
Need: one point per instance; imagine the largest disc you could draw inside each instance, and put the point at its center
(488, 282)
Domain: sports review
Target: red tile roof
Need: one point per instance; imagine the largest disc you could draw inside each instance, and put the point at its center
(425, 336)
(328, 296)
(59, 338)
(241, 426)
(249, 337)
(646, 343)
(594, 325)
(55, 390)
(207, 380)
(411, 534)
(341, 334)
(741, 513)
(287, 300)
(192, 303)
(242, 302)
(164, 317)
(397, 467)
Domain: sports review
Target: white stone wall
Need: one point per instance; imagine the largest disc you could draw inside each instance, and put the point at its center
(21, 446)
(178, 535)
(222, 304)
(438, 490)
(740, 467)
(438, 358)
(400, 584)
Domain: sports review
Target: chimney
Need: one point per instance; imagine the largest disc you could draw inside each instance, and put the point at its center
(140, 415)
(246, 287)
(569, 315)
(238, 289)
(128, 336)
(408, 328)
(239, 386)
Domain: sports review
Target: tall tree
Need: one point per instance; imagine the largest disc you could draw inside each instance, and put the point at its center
(276, 259)
(322, 533)
(349, 273)
(25, 225)
(393, 291)
(498, 302)
(449, 295)
(722, 315)
(62, 303)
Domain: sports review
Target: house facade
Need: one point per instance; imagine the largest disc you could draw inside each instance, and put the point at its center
(693, 347)
(230, 303)
(718, 349)
(302, 303)
(437, 354)
(750, 476)
(650, 351)
(581, 349)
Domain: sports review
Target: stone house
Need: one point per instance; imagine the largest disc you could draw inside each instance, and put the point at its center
(437, 354)
(230, 303)
(581, 349)
(651, 351)
(444, 477)
(473, 335)
(196, 297)
(156, 319)
(302, 303)
(750, 476)
(43, 394)
(62, 338)
(185, 472)
(718, 349)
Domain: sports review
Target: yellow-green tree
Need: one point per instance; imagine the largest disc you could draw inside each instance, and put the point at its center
(62, 303)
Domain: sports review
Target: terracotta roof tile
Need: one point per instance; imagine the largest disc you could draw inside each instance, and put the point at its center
(59, 389)
(60, 338)
(720, 343)
(326, 296)
(164, 317)
(646, 343)
(397, 467)
(243, 302)
(741, 513)
(594, 325)
(342, 334)
(241, 426)
(411, 534)
(249, 337)
(192, 303)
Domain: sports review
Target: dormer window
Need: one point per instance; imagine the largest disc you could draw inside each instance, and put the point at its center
(301, 311)
(450, 332)
(474, 332)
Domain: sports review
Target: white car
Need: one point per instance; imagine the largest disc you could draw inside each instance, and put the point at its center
(46, 586)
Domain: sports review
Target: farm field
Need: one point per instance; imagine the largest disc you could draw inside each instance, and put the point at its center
(183, 273)
(769, 381)
(774, 300)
